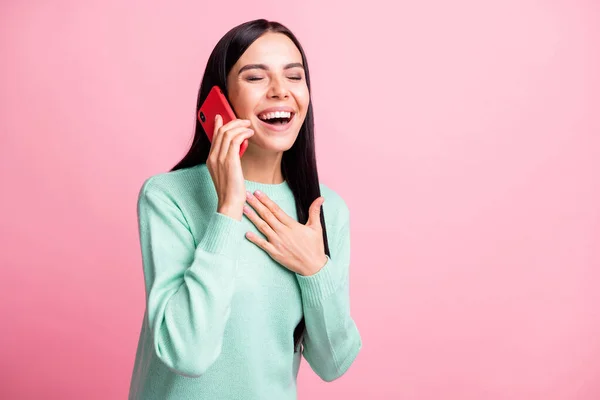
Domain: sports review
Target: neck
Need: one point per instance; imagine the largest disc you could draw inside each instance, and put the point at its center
(263, 167)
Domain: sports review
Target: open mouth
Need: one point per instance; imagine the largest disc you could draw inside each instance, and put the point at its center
(277, 118)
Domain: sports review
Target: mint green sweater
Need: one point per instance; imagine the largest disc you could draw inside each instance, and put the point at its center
(220, 312)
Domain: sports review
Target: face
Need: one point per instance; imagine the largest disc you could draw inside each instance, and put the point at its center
(267, 86)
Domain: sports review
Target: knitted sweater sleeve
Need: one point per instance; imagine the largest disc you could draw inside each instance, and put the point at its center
(332, 340)
(189, 287)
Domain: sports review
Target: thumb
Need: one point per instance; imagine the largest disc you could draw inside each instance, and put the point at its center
(314, 213)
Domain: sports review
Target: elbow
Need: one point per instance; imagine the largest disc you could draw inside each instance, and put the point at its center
(330, 377)
(188, 370)
(188, 362)
(332, 374)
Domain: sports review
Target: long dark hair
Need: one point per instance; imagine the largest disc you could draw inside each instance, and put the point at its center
(299, 164)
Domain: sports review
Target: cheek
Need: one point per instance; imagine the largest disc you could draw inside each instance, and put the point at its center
(303, 98)
(244, 102)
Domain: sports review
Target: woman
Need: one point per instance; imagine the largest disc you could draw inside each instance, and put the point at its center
(243, 271)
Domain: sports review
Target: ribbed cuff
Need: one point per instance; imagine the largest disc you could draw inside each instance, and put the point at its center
(223, 235)
(317, 287)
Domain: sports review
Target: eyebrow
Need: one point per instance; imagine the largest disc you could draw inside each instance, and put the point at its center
(264, 67)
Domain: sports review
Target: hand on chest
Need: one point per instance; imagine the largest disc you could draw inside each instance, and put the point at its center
(258, 269)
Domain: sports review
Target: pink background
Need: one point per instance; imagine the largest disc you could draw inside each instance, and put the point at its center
(464, 135)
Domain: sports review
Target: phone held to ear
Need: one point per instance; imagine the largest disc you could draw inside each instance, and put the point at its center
(216, 103)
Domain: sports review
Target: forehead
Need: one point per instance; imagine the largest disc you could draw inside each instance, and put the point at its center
(274, 49)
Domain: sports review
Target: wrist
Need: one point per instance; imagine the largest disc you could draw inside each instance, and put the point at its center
(232, 212)
(315, 267)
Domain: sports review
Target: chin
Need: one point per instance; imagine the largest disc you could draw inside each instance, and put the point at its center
(274, 145)
(274, 140)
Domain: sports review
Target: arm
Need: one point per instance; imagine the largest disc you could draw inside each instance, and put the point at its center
(332, 341)
(188, 288)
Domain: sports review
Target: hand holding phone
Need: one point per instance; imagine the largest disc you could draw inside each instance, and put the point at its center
(223, 161)
(216, 104)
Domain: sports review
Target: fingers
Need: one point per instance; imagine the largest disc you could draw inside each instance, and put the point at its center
(260, 224)
(274, 209)
(232, 139)
(314, 217)
(258, 202)
(236, 143)
(216, 140)
(224, 134)
(262, 243)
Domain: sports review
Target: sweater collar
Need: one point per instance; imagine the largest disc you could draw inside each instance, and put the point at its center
(275, 191)
(272, 190)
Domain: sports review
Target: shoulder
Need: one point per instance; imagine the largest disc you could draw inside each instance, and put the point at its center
(161, 184)
(174, 187)
(335, 207)
(332, 196)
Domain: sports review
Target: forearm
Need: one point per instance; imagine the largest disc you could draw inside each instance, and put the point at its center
(332, 340)
(189, 288)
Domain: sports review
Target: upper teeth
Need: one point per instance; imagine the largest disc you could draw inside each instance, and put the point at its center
(277, 114)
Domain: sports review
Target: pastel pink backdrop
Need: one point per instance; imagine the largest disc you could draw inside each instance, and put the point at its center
(464, 136)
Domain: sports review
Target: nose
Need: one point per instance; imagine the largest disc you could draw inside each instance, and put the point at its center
(278, 89)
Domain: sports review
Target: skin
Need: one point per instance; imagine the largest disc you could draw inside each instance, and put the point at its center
(280, 82)
(254, 90)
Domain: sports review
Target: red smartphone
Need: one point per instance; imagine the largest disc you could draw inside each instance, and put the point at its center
(216, 103)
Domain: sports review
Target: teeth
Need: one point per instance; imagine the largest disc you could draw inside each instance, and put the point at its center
(277, 114)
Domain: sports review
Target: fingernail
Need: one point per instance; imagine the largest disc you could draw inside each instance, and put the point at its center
(246, 209)
(248, 195)
(258, 193)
